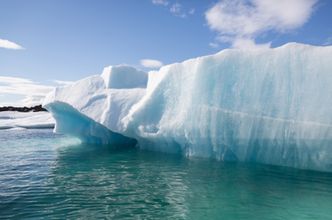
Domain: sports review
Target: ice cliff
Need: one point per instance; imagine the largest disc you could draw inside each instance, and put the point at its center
(271, 106)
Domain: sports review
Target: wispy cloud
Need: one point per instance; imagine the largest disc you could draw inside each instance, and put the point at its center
(214, 44)
(175, 8)
(32, 92)
(191, 11)
(160, 2)
(63, 83)
(328, 41)
(149, 63)
(239, 22)
(10, 45)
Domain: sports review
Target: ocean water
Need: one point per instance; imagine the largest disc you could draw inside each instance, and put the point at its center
(48, 176)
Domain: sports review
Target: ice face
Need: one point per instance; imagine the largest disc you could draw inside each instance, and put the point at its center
(71, 121)
(270, 105)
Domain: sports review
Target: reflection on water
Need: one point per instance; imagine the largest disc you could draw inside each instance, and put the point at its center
(42, 178)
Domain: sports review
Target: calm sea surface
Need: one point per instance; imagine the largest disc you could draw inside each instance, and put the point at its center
(48, 176)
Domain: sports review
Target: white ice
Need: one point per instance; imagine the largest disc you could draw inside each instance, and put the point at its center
(10, 119)
(270, 106)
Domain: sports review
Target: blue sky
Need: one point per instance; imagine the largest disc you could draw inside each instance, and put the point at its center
(46, 40)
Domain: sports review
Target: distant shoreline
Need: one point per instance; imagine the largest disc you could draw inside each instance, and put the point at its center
(37, 108)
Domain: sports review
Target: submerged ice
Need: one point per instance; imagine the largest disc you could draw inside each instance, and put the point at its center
(270, 106)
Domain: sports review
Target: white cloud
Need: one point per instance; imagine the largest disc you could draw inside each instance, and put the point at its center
(160, 2)
(191, 11)
(63, 83)
(244, 20)
(149, 63)
(176, 9)
(214, 45)
(32, 92)
(328, 41)
(249, 44)
(31, 100)
(13, 80)
(10, 45)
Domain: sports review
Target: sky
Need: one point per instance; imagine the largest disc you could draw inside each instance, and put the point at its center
(47, 43)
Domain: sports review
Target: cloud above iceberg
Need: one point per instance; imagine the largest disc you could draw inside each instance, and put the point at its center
(243, 20)
(160, 2)
(175, 8)
(328, 41)
(150, 63)
(62, 82)
(10, 45)
(28, 91)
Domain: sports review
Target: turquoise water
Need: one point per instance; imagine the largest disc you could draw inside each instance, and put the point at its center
(48, 176)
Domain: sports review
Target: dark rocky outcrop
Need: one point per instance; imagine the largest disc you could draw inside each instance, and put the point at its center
(37, 108)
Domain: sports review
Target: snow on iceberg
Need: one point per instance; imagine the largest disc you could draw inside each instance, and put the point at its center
(270, 106)
(121, 77)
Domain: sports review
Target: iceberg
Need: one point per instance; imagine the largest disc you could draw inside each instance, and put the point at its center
(270, 105)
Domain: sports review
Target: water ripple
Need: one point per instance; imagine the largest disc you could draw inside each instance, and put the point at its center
(40, 179)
